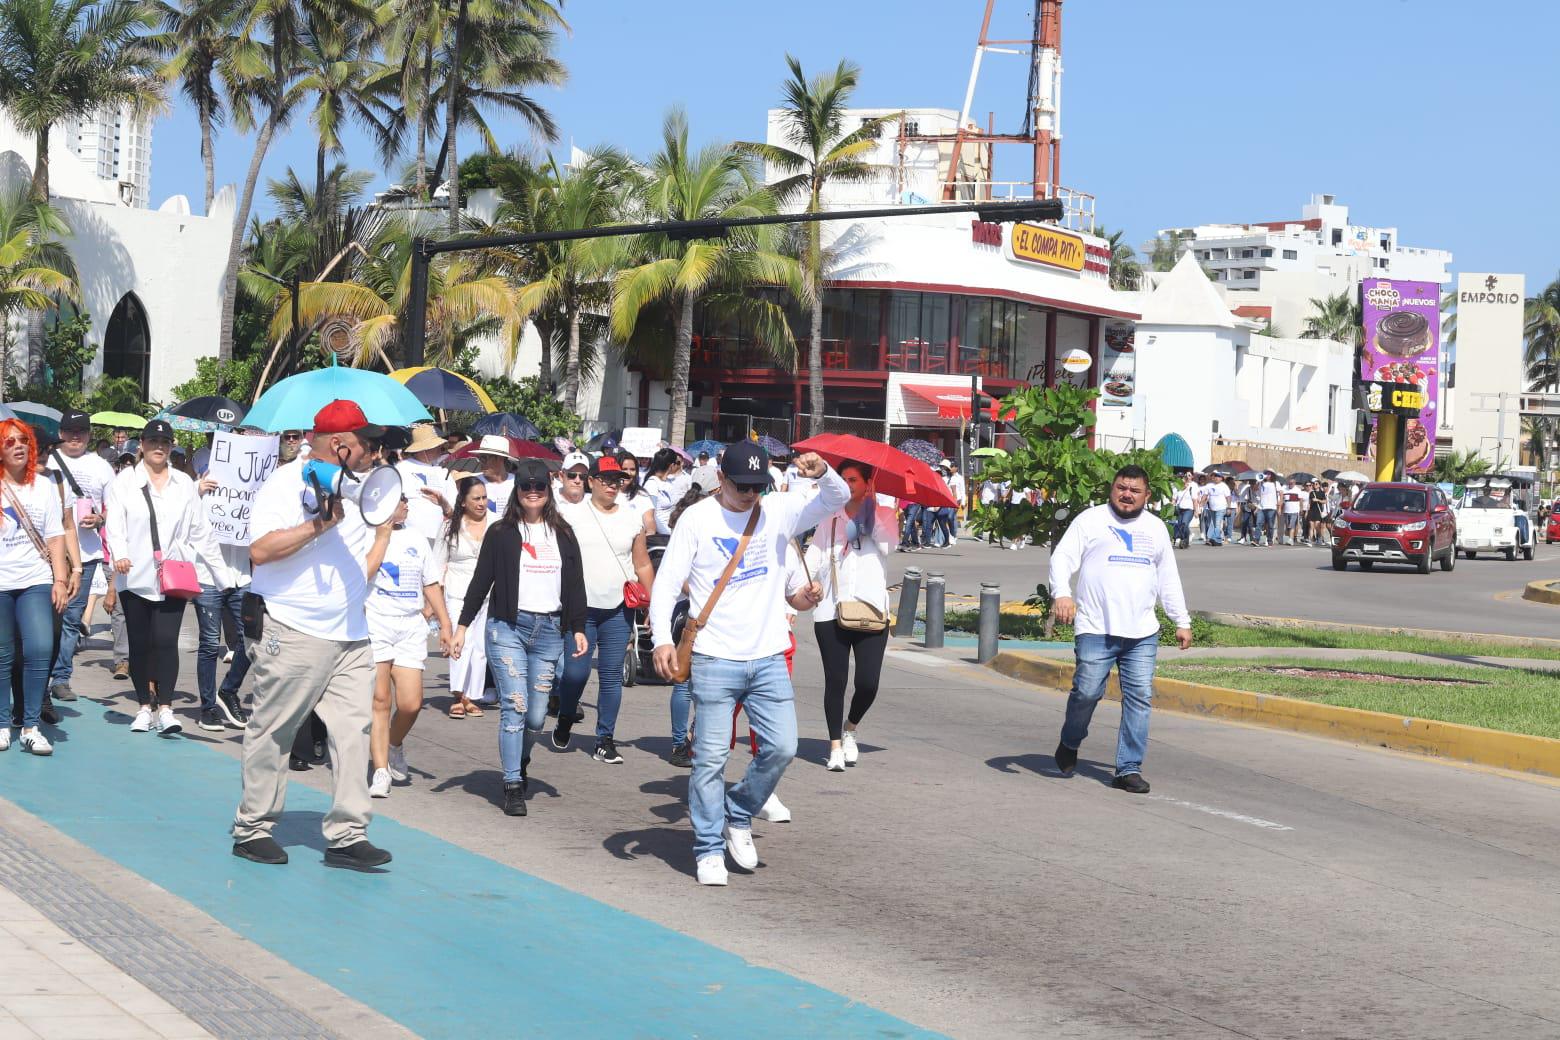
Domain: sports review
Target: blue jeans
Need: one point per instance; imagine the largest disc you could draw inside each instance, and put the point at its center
(524, 659)
(70, 622)
(1265, 523)
(682, 703)
(1183, 524)
(763, 688)
(1134, 661)
(210, 605)
(1229, 522)
(606, 633)
(1215, 527)
(29, 613)
(912, 531)
(947, 521)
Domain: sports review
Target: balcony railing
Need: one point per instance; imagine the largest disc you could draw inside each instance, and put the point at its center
(1078, 206)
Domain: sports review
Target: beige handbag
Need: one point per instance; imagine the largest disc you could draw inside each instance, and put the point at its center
(853, 615)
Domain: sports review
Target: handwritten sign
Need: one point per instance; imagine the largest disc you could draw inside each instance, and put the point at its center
(239, 464)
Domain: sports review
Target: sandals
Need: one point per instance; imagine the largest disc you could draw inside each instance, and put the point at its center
(458, 710)
(472, 711)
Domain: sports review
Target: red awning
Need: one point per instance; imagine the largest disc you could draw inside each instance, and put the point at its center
(951, 402)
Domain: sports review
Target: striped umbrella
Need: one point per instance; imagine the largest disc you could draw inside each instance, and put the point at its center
(441, 388)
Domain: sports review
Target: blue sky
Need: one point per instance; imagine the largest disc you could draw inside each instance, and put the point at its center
(1421, 114)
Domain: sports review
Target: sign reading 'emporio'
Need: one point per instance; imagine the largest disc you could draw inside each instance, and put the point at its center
(1493, 292)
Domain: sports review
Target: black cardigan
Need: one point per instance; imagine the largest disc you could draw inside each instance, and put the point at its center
(498, 570)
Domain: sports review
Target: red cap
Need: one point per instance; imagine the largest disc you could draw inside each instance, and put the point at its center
(605, 464)
(345, 417)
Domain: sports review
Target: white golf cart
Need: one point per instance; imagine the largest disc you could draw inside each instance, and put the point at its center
(1493, 516)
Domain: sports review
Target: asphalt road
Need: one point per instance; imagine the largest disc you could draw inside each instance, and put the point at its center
(1482, 595)
(1272, 885)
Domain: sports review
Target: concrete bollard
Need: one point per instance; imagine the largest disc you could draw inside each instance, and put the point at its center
(990, 621)
(909, 599)
(935, 587)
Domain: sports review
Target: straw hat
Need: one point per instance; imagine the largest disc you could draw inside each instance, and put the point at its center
(424, 436)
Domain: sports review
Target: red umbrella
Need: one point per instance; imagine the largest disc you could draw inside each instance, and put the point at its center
(466, 458)
(896, 473)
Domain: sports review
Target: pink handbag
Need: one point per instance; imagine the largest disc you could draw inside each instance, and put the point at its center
(176, 578)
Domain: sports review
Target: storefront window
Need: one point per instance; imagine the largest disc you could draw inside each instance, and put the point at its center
(906, 348)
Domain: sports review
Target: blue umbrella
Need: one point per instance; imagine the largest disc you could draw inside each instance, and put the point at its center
(188, 425)
(917, 448)
(507, 424)
(773, 445)
(709, 447)
(293, 403)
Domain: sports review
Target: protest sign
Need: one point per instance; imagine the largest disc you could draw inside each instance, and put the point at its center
(239, 464)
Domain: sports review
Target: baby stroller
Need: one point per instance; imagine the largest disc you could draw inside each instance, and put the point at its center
(638, 663)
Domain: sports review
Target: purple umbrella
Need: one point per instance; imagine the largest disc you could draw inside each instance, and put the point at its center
(917, 448)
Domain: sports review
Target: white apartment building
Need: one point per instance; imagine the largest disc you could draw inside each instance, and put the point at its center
(1273, 269)
(118, 143)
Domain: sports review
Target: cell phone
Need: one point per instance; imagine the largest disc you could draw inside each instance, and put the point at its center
(252, 614)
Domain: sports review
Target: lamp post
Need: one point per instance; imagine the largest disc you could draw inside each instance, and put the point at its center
(424, 250)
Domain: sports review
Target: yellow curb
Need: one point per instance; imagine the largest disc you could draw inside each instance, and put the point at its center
(1487, 747)
(1542, 591)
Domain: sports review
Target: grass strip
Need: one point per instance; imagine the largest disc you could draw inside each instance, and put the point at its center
(1516, 700)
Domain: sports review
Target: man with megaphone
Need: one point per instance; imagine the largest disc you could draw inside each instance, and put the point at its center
(319, 526)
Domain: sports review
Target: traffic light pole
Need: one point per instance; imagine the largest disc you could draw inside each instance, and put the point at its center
(424, 250)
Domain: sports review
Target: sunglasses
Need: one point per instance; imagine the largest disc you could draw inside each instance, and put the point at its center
(531, 487)
(292, 436)
(11, 442)
(748, 489)
(572, 475)
(614, 480)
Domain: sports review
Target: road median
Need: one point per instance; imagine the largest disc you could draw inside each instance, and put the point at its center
(1515, 751)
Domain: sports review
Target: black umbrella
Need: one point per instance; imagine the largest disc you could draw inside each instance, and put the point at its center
(1302, 477)
(608, 440)
(211, 408)
(507, 424)
(1250, 474)
(1329, 474)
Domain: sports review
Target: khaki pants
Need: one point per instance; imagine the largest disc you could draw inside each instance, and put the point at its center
(296, 674)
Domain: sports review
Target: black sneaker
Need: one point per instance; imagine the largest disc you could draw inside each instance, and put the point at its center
(606, 751)
(682, 755)
(1066, 759)
(261, 850)
(360, 855)
(1132, 783)
(296, 764)
(514, 799)
(47, 712)
(552, 705)
(561, 731)
(61, 691)
(232, 711)
(211, 720)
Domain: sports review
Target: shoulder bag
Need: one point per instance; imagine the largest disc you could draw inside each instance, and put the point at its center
(27, 525)
(175, 578)
(684, 663)
(635, 595)
(853, 615)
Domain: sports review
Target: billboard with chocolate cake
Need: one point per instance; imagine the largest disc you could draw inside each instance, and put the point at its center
(1403, 345)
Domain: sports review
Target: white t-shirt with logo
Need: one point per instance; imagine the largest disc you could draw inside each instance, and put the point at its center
(320, 589)
(93, 476)
(606, 549)
(1267, 495)
(1115, 570)
(398, 585)
(424, 515)
(541, 570)
(1294, 498)
(21, 564)
(1218, 496)
(498, 494)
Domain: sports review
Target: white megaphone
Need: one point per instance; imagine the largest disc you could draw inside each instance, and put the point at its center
(376, 493)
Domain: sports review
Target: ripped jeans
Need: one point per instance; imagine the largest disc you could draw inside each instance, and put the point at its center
(524, 658)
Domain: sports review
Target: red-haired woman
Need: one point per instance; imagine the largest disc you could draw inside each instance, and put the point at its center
(33, 578)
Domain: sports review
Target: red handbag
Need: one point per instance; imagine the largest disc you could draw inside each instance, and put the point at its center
(635, 595)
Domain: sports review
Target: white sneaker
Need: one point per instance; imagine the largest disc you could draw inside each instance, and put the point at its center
(143, 720)
(952, 542)
(836, 760)
(712, 870)
(739, 843)
(34, 742)
(848, 745)
(399, 771)
(5, 738)
(380, 788)
(775, 811)
(167, 722)
(227, 658)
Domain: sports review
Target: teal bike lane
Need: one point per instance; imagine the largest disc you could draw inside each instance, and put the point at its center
(535, 959)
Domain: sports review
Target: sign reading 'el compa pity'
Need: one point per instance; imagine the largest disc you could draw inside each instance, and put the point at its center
(1038, 244)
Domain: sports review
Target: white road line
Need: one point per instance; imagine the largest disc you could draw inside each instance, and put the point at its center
(1225, 813)
(920, 657)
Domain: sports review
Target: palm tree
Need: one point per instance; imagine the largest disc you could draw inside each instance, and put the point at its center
(464, 299)
(1540, 433)
(35, 269)
(1449, 319)
(495, 49)
(812, 115)
(1458, 466)
(347, 84)
(715, 182)
(572, 279)
(1166, 249)
(200, 39)
(65, 58)
(1126, 273)
(1541, 337)
(1336, 317)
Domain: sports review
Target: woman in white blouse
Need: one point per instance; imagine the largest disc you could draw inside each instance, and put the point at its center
(153, 619)
(454, 558)
(848, 558)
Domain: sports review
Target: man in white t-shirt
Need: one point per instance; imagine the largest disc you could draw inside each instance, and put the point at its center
(430, 495)
(1216, 499)
(308, 638)
(739, 655)
(88, 476)
(1267, 507)
(1294, 505)
(1108, 571)
(497, 471)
